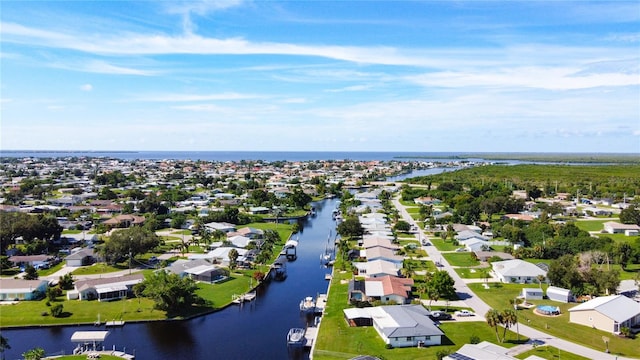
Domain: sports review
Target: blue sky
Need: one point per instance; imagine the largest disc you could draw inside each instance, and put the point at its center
(425, 76)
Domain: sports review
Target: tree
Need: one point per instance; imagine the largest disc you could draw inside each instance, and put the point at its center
(540, 279)
(622, 252)
(563, 272)
(33, 354)
(630, 215)
(56, 310)
(53, 292)
(402, 226)
(170, 292)
(443, 285)
(494, 318)
(66, 282)
(509, 318)
(130, 242)
(233, 258)
(351, 227)
(30, 273)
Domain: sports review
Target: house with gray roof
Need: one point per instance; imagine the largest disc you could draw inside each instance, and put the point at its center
(607, 313)
(517, 271)
(400, 325)
(199, 270)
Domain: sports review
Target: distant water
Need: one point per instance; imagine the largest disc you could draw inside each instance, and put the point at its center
(238, 155)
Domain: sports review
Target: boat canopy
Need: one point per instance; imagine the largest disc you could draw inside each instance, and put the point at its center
(89, 336)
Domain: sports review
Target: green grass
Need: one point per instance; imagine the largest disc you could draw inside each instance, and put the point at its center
(499, 295)
(67, 231)
(618, 237)
(461, 259)
(443, 245)
(181, 232)
(220, 293)
(591, 225)
(336, 340)
(51, 270)
(99, 268)
(551, 353)
(472, 273)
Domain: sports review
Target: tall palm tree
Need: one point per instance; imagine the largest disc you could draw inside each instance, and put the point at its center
(540, 279)
(494, 318)
(509, 318)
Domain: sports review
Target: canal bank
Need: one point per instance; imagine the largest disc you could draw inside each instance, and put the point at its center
(256, 329)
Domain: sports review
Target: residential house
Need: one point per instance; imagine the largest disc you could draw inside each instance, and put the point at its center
(222, 226)
(124, 221)
(607, 313)
(382, 253)
(484, 351)
(389, 289)
(399, 325)
(517, 271)
(376, 268)
(373, 241)
(105, 289)
(613, 227)
(486, 255)
(19, 289)
(199, 270)
(37, 261)
(82, 257)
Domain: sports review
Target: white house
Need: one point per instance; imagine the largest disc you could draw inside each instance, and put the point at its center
(104, 289)
(607, 313)
(376, 268)
(484, 351)
(382, 253)
(398, 325)
(613, 227)
(517, 271)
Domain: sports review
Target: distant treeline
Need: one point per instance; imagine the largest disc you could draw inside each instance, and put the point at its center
(602, 181)
(546, 157)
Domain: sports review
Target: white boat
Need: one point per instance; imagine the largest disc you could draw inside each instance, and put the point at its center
(295, 337)
(308, 305)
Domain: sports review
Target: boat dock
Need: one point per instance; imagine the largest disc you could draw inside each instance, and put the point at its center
(114, 323)
(321, 302)
(310, 335)
(239, 299)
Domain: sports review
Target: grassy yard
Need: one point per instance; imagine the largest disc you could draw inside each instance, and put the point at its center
(461, 259)
(472, 273)
(443, 245)
(99, 268)
(51, 270)
(337, 340)
(551, 353)
(499, 295)
(619, 237)
(591, 225)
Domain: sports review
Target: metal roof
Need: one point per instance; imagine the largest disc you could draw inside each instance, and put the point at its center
(89, 336)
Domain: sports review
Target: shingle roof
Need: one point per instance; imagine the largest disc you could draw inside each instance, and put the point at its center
(616, 307)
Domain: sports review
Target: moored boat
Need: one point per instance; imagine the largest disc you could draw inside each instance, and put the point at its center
(308, 305)
(295, 337)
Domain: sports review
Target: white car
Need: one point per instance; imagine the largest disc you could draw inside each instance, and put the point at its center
(463, 313)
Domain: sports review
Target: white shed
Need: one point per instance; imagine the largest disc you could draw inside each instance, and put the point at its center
(559, 294)
(531, 294)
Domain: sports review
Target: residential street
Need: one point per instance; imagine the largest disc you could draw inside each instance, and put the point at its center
(480, 307)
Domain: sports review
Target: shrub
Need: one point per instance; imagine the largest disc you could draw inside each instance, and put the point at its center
(474, 339)
(56, 310)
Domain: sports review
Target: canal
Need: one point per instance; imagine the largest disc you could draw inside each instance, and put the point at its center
(255, 330)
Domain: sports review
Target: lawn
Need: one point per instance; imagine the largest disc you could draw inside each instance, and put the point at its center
(591, 225)
(461, 259)
(472, 273)
(51, 270)
(336, 340)
(550, 352)
(618, 237)
(99, 268)
(499, 295)
(443, 245)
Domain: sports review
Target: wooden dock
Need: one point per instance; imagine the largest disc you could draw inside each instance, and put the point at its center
(321, 303)
(310, 334)
(114, 323)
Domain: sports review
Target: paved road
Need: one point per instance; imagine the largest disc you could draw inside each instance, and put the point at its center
(481, 308)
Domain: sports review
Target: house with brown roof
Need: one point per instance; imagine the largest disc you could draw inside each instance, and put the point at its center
(389, 289)
(124, 221)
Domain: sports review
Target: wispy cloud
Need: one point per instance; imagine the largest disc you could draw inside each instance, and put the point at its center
(197, 97)
(86, 87)
(188, 8)
(351, 88)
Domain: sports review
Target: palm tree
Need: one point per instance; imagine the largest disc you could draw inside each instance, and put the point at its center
(233, 257)
(509, 318)
(540, 279)
(494, 318)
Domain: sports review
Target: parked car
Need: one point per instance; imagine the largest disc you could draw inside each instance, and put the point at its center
(461, 249)
(461, 313)
(439, 315)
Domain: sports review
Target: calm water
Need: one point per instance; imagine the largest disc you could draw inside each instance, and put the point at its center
(234, 155)
(254, 331)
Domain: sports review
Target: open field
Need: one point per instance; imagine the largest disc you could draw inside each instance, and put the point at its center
(499, 295)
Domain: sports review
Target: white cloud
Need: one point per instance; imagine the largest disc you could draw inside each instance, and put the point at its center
(102, 67)
(351, 88)
(197, 97)
(86, 87)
